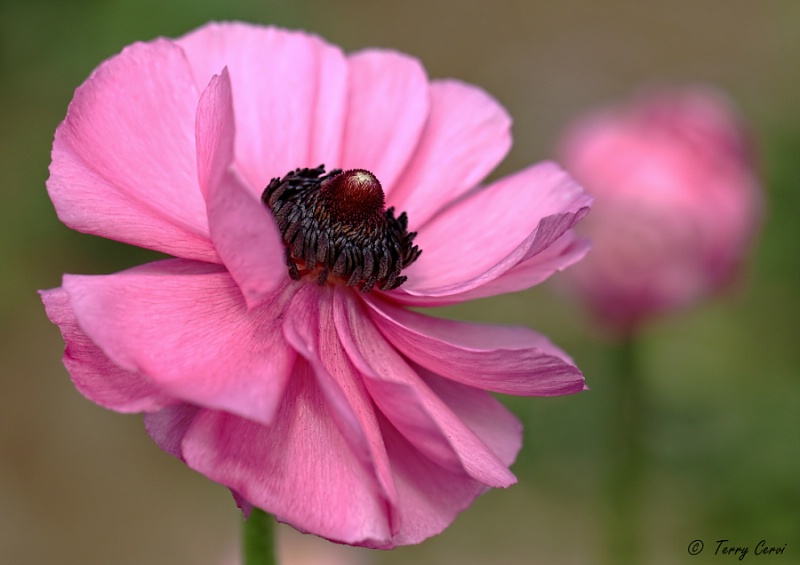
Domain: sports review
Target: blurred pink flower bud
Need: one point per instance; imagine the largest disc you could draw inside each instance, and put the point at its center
(676, 202)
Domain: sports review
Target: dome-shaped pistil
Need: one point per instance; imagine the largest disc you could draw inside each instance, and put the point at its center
(335, 224)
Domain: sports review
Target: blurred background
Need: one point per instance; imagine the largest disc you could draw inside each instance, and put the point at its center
(82, 485)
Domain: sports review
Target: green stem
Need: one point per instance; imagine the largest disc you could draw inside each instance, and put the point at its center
(258, 539)
(625, 480)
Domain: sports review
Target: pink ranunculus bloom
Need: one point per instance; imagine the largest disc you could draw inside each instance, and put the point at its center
(275, 353)
(676, 202)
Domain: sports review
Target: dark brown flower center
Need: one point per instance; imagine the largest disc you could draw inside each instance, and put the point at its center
(335, 224)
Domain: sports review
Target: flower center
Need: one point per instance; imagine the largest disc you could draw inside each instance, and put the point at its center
(335, 224)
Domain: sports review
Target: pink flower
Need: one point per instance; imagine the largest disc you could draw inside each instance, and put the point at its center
(677, 202)
(340, 411)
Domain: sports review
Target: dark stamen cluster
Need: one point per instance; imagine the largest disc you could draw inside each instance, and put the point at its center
(335, 224)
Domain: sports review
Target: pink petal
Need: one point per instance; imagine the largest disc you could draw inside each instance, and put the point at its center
(498, 428)
(94, 375)
(185, 326)
(509, 360)
(430, 497)
(242, 228)
(301, 468)
(467, 134)
(565, 251)
(289, 92)
(309, 328)
(409, 404)
(167, 427)
(387, 106)
(491, 231)
(127, 171)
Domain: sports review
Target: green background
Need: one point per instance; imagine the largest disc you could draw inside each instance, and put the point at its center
(82, 485)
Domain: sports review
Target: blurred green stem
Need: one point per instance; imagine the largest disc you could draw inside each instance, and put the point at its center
(625, 478)
(259, 539)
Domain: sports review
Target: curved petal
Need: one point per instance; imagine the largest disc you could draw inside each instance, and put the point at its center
(242, 229)
(492, 230)
(167, 427)
(430, 497)
(409, 404)
(309, 328)
(467, 134)
(94, 375)
(564, 252)
(128, 171)
(486, 416)
(508, 360)
(289, 93)
(300, 468)
(185, 326)
(387, 106)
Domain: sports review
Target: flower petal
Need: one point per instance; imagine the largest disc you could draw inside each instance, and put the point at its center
(486, 416)
(289, 92)
(430, 497)
(387, 106)
(409, 404)
(127, 171)
(309, 328)
(508, 360)
(300, 468)
(167, 427)
(467, 134)
(185, 326)
(494, 229)
(242, 228)
(94, 375)
(565, 251)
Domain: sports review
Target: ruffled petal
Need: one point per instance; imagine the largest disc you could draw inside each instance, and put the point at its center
(409, 404)
(300, 468)
(127, 171)
(565, 251)
(494, 229)
(508, 360)
(94, 375)
(242, 229)
(467, 134)
(430, 497)
(185, 326)
(310, 329)
(387, 107)
(289, 93)
(486, 416)
(168, 426)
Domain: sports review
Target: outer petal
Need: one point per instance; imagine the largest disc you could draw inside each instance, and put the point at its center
(168, 426)
(289, 91)
(128, 171)
(467, 134)
(409, 404)
(94, 375)
(300, 468)
(487, 234)
(565, 251)
(310, 330)
(242, 228)
(387, 106)
(186, 327)
(430, 496)
(483, 413)
(509, 360)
